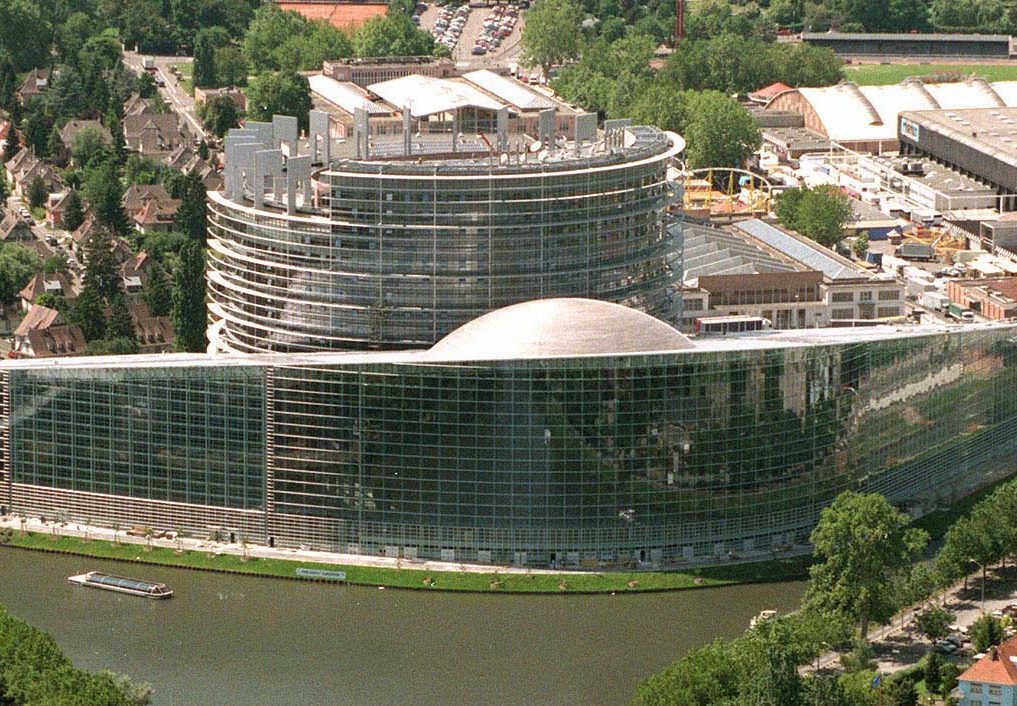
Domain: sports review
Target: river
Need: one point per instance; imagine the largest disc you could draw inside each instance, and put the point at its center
(247, 641)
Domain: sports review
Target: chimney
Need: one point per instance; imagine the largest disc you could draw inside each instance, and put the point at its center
(994, 654)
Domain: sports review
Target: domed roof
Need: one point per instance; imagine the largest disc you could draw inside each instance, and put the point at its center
(558, 327)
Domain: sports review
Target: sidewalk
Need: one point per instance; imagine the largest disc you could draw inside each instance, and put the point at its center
(74, 529)
(900, 645)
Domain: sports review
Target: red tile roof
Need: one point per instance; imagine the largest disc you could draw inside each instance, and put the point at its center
(768, 92)
(340, 14)
(996, 667)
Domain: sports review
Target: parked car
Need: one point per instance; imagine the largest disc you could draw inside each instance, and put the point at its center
(945, 647)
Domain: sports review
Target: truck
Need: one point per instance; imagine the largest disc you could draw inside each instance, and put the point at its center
(956, 311)
(934, 301)
(148, 63)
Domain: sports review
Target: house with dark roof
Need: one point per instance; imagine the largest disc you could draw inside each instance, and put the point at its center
(73, 127)
(15, 229)
(154, 333)
(56, 208)
(81, 234)
(57, 284)
(24, 167)
(135, 271)
(150, 208)
(43, 334)
(153, 135)
(35, 84)
(992, 680)
(136, 105)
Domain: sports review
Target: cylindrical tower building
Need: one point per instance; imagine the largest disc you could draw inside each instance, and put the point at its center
(390, 252)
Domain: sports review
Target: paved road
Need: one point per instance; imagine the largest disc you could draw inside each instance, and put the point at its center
(178, 99)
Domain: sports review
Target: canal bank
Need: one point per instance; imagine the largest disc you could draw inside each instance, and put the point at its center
(193, 553)
(236, 640)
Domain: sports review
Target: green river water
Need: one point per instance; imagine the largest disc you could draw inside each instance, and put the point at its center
(232, 640)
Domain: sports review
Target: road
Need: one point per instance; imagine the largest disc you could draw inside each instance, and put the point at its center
(173, 91)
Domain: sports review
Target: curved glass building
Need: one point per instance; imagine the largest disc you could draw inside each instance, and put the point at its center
(395, 250)
(565, 432)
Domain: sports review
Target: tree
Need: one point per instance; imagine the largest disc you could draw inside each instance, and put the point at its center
(720, 132)
(157, 292)
(55, 264)
(206, 42)
(551, 35)
(230, 67)
(396, 35)
(219, 114)
(269, 29)
(283, 93)
(17, 266)
(970, 539)
(104, 192)
(101, 275)
(89, 145)
(189, 316)
(25, 33)
(74, 215)
(119, 324)
(139, 169)
(37, 193)
(192, 213)
(862, 543)
(986, 632)
(933, 671)
(934, 622)
(819, 214)
(861, 245)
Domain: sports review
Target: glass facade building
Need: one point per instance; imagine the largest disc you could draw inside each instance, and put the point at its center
(594, 459)
(394, 253)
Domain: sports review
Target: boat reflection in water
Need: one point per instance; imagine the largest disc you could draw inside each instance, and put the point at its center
(120, 584)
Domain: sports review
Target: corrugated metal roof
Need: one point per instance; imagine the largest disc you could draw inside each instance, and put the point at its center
(343, 96)
(711, 251)
(426, 95)
(809, 254)
(893, 37)
(514, 93)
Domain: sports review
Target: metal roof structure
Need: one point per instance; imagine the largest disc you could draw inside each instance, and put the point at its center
(810, 254)
(509, 91)
(904, 37)
(848, 112)
(343, 96)
(426, 95)
(712, 251)
(556, 327)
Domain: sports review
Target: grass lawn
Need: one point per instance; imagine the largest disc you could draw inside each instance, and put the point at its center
(623, 582)
(186, 69)
(882, 74)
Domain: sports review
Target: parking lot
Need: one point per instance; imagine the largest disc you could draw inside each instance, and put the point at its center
(480, 24)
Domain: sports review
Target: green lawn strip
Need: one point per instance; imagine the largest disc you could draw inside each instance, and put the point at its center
(621, 582)
(883, 74)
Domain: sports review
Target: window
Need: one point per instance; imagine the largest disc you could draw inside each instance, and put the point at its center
(865, 296)
(889, 295)
(843, 313)
(842, 297)
(887, 311)
(694, 305)
(994, 690)
(975, 689)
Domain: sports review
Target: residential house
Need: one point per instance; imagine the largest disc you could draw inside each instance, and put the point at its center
(201, 95)
(136, 105)
(73, 127)
(150, 208)
(153, 135)
(210, 176)
(121, 250)
(15, 229)
(82, 233)
(154, 333)
(24, 167)
(992, 680)
(134, 271)
(56, 208)
(43, 334)
(35, 84)
(57, 284)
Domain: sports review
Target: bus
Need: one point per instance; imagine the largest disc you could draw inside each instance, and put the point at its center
(731, 324)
